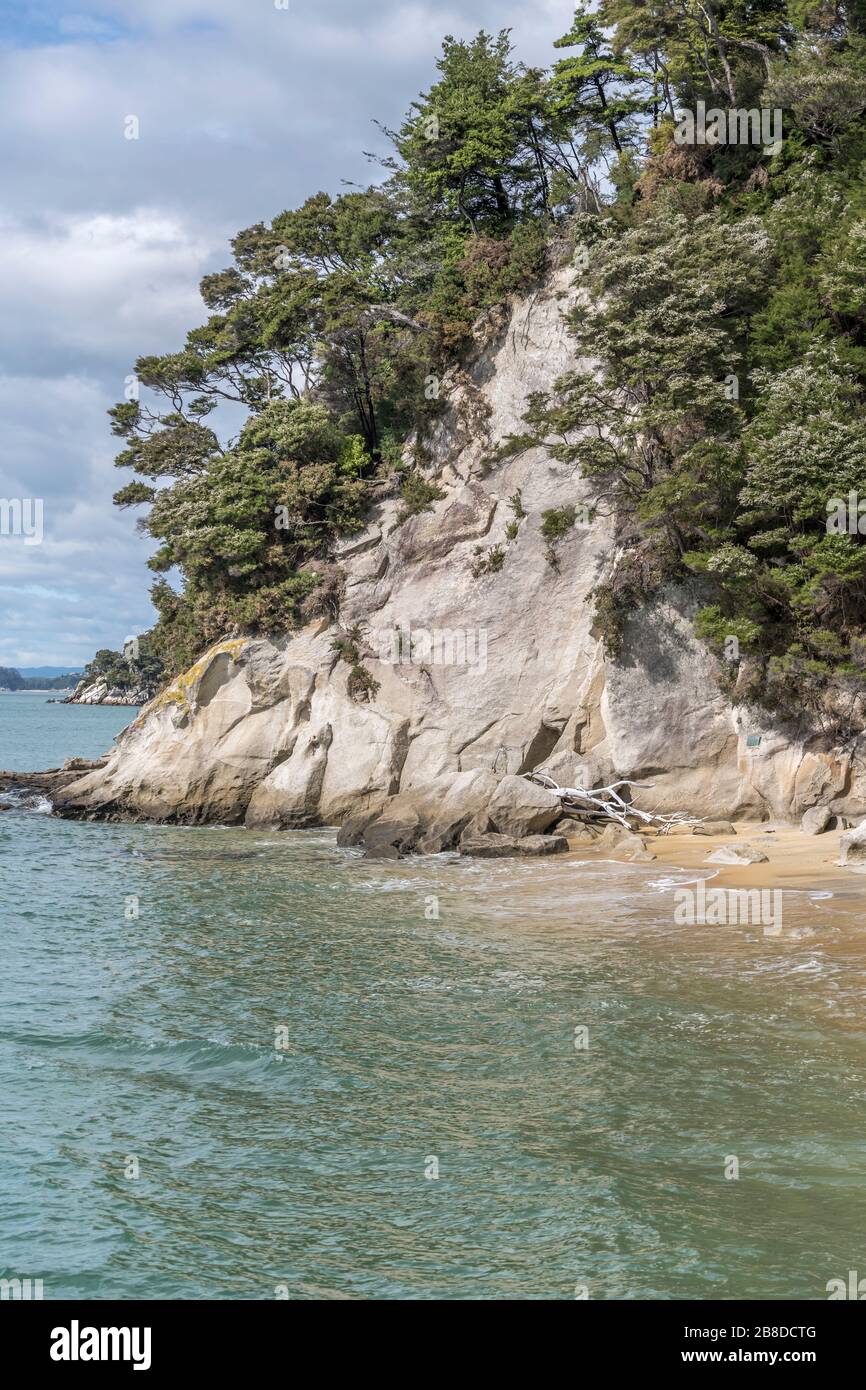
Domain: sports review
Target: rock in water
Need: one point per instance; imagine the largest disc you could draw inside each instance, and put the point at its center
(543, 844)
(520, 808)
(500, 846)
(489, 846)
(390, 836)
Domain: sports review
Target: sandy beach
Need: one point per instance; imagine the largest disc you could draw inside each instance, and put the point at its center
(795, 860)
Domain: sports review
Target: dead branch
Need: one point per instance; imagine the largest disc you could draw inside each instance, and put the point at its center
(605, 803)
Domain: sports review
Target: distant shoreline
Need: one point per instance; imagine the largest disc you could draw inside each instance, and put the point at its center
(34, 690)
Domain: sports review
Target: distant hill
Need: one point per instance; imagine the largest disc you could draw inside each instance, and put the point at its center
(12, 679)
(28, 671)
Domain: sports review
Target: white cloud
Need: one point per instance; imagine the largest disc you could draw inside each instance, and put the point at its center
(104, 284)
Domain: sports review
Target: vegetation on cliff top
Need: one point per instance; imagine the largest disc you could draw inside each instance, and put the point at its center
(144, 671)
(725, 306)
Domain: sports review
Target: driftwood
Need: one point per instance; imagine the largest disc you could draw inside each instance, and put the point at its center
(605, 803)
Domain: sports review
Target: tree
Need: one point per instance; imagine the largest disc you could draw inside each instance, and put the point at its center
(591, 92)
(245, 531)
(466, 149)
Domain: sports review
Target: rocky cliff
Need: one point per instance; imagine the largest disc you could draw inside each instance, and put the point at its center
(486, 662)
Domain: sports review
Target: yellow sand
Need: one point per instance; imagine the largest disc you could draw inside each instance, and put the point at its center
(795, 860)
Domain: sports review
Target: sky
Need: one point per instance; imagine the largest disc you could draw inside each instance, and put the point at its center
(244, 108)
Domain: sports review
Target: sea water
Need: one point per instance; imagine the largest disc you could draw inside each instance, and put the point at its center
(236, 1064)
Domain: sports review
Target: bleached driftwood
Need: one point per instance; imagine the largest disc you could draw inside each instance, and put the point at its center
(605, 803)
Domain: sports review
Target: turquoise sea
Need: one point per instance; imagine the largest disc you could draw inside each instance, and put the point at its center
(246, 1065)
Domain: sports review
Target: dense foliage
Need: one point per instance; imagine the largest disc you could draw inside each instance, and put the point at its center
(724, 308)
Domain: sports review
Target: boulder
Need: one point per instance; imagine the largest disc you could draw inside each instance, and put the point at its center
(389, 836)
(579, 830)
(543, 844)
(520, 808)
(623, 844)
(463, 800)
(852, 848)
(351, 832)
(738, 854)
(439, 810)
(619, 837)
(817, 820)
(480, 824)
(714, 827)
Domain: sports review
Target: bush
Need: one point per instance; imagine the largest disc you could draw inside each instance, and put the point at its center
(417, 495)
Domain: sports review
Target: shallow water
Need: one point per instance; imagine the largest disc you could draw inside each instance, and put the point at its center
(287, 1039)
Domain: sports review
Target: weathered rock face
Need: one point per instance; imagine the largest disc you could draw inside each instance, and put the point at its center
(484, 671)
(99, 692)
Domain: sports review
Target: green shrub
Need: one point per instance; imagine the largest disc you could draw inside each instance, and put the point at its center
(417, 495)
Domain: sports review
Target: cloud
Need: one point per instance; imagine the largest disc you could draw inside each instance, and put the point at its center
(101, 287)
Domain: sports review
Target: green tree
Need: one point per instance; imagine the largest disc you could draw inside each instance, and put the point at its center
(591, 92)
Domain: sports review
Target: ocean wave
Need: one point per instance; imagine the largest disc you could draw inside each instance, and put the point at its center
(27, 803)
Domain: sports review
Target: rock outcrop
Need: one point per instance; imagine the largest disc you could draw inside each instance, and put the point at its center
(99, 692)
(488, 664)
